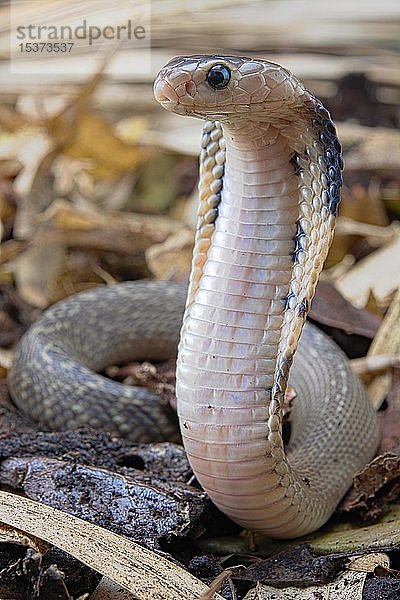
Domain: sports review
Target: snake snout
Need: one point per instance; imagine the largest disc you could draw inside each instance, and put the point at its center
(164, 92)
(174, 89)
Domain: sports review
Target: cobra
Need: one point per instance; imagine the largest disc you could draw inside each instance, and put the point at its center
(270, 178)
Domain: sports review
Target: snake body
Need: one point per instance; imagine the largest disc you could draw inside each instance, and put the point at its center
(270, 177)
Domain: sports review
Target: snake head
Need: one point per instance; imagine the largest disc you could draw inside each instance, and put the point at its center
(230, 87)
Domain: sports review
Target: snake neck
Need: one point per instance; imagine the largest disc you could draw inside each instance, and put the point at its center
(243, 287)
(253, 246)
(231, 336)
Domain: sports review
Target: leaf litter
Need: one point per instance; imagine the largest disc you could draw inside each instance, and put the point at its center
(74, 215)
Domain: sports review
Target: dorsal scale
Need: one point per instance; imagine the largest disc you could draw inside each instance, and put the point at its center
(212, 165)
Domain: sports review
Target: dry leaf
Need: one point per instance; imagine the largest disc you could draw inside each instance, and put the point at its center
(371, 148)
(360, 207)
(110, 157)
(374, 487)
(108, 590)
(46, 270)
(330, 308)
(145, 513)
(381, 536)
(9, 535)
(348, 586)
(136, 569)
(123, 232)
(132, 129)
(380, 235)
(171, 260)
(390, 418)
(371, 365)
(35, 272)
(33, 184)
(386, 342)
(296, 566)
(366, 563)
(378, 272)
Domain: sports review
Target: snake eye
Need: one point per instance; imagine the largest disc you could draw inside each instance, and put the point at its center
(218, 76)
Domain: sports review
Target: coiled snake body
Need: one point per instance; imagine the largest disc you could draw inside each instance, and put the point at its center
(269, 190)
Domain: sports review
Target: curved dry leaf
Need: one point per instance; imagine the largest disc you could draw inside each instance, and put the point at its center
(380, 234)
(330, 308)
(332, 539)
(370, 365)
(108, 590)
(136, 569)
(110, 156)
(386, 342)
(383, 536)
(367, 563)
(348, 586)
(378, 272)
(371, 148)
(9, 535)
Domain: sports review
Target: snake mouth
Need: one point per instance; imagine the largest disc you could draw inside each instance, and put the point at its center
(165, 94)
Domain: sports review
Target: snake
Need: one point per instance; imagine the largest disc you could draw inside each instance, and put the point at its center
(269, 190)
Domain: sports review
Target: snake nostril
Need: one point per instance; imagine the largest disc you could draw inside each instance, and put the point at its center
(190, 88)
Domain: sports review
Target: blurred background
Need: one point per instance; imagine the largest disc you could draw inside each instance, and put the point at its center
(98, 183)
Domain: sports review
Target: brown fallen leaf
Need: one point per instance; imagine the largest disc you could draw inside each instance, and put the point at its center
(124, 232)
(386, 342)
(379, 482)
(352, 538)
(7, 209)
(368, 366)
(161, 187)
(171, 259)
(329, 307)
(48, 270)
(10, 250)
(33, 185)
(31, 568)
(379, 272)
(295, 567)
(380, 235)
(372, 149)
(348, 586)
(390, 418)
(35, 272)
(373, 488)
(217, 584)
(333, 538)
(367, 563)
(361, 205)
(109, 157)
(11, 120)
(135, 568)
(8, 535)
